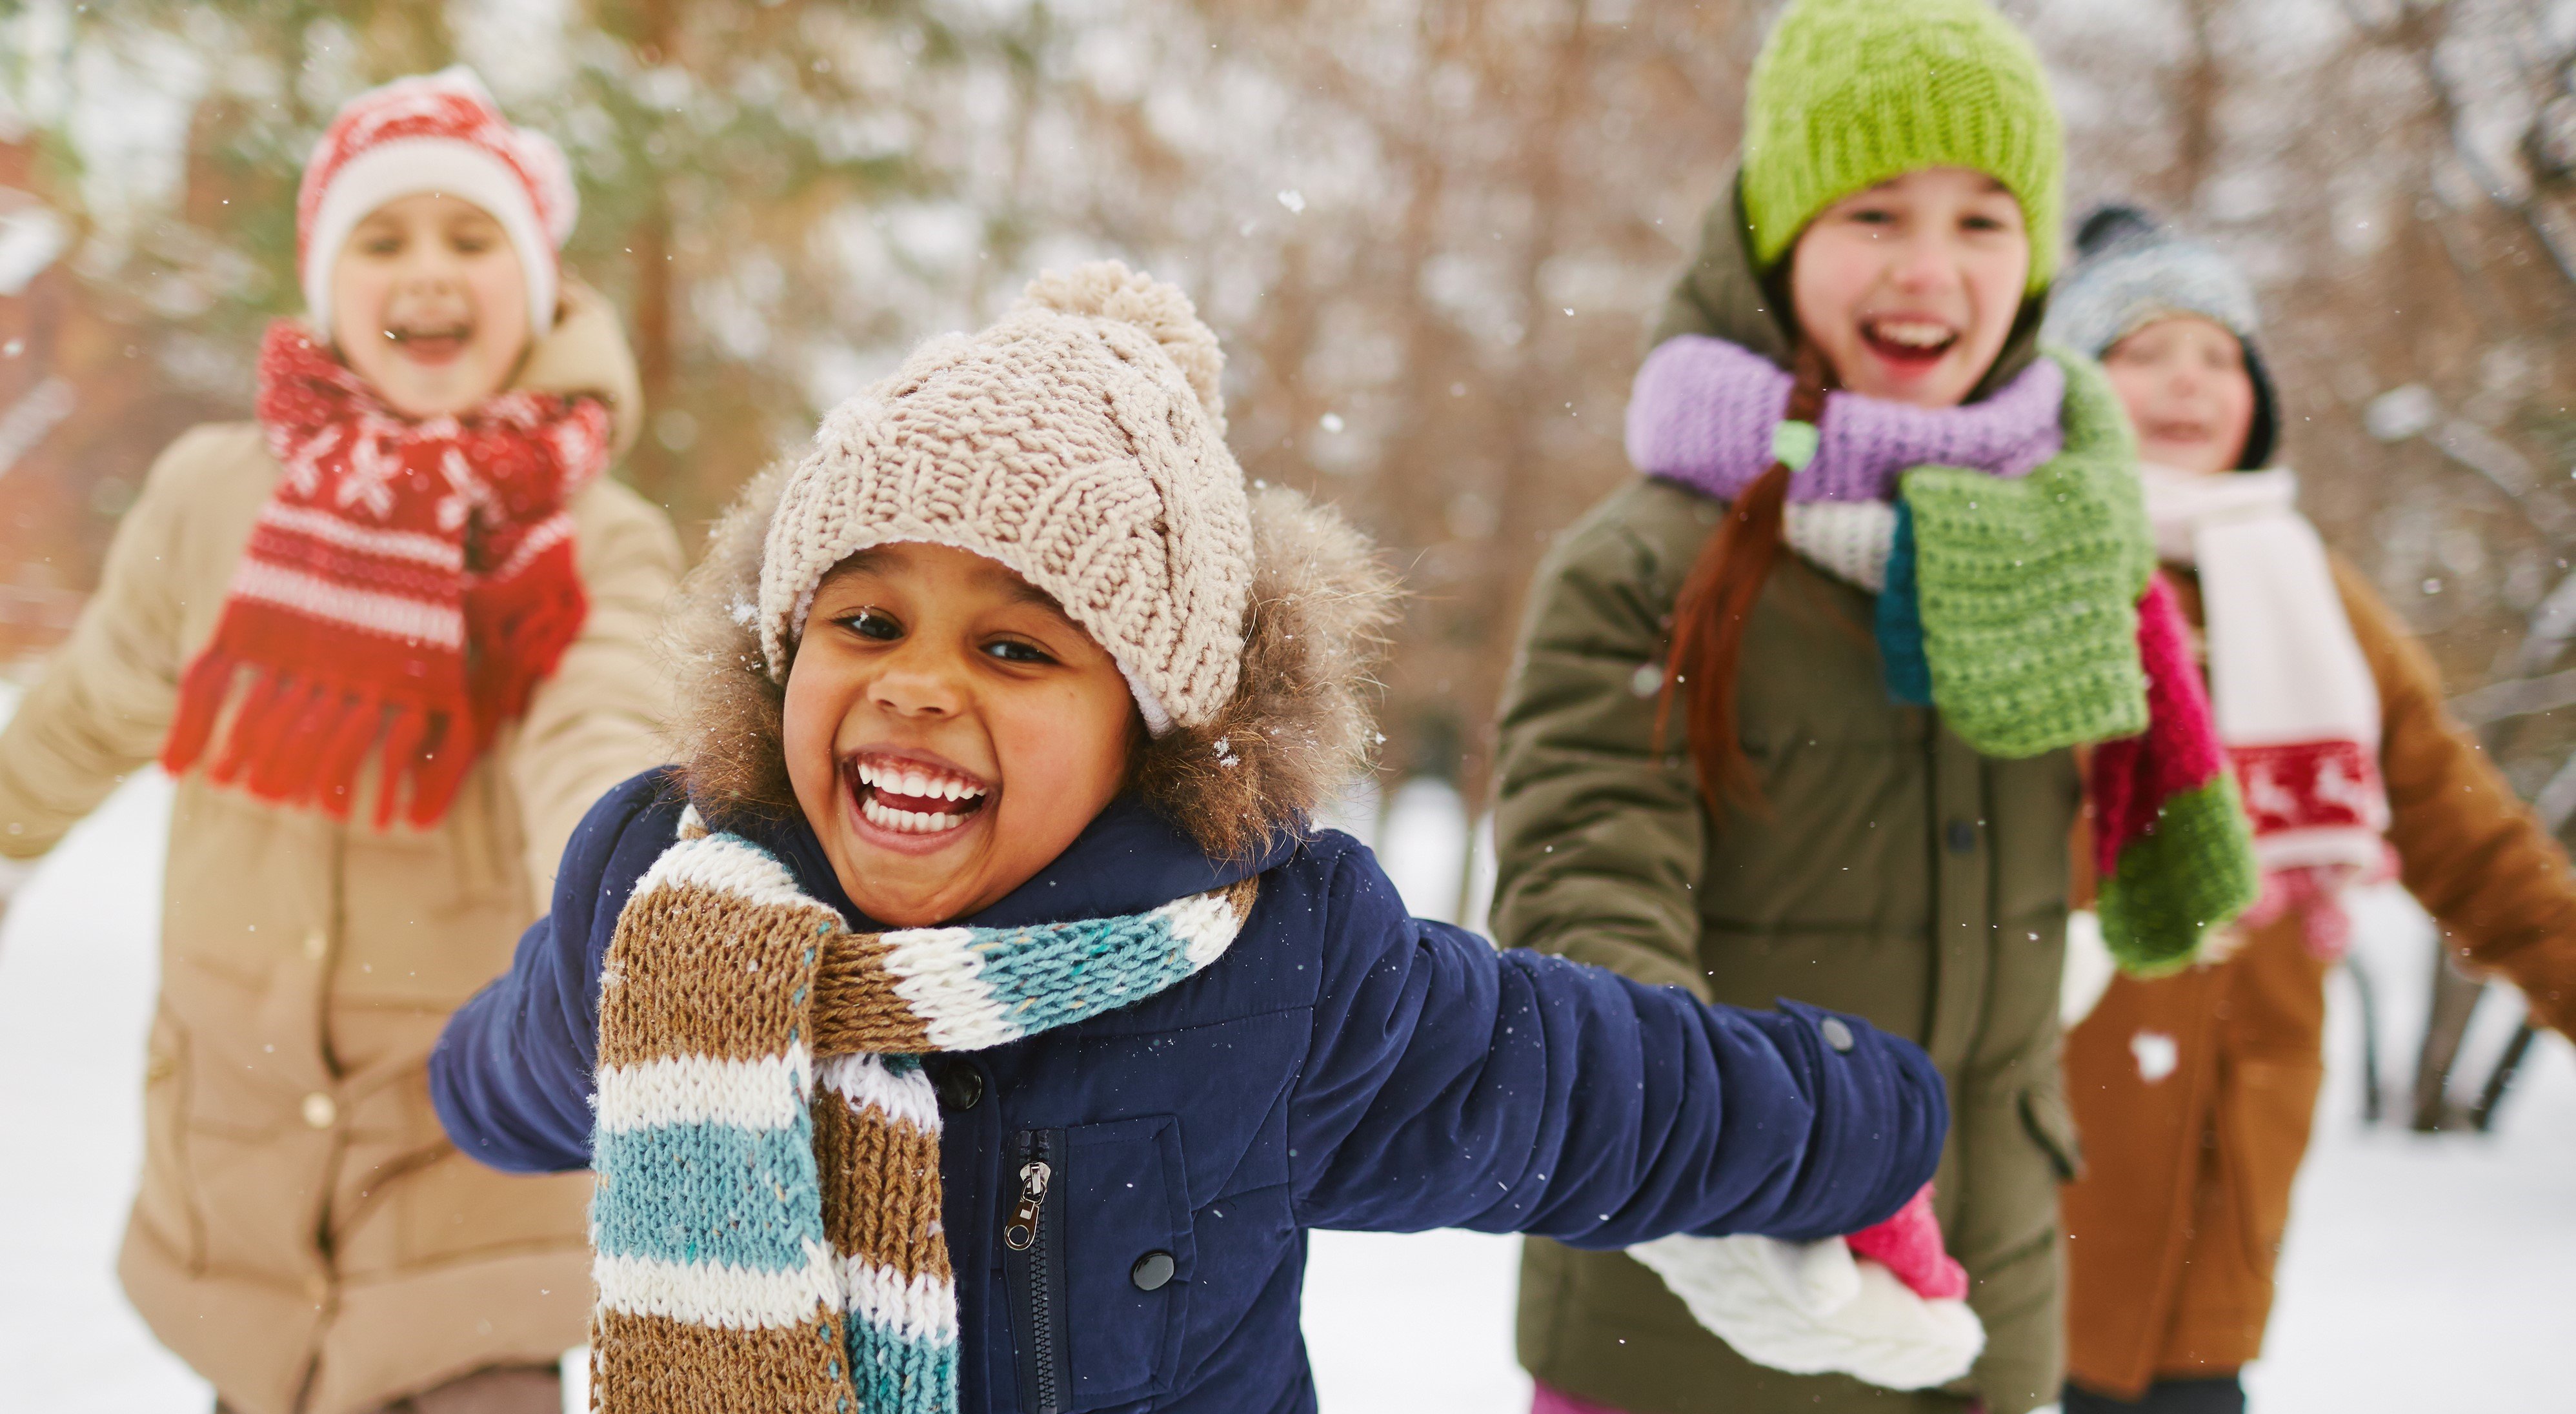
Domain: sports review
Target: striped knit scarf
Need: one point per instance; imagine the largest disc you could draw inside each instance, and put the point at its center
(766, 1233)
(404, 590)
(2009, 550)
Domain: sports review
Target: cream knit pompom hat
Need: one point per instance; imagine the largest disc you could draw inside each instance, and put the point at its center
(1081, 443)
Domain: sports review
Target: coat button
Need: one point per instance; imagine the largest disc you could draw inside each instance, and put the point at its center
(961, 1088)
(1837, 1035)
(1151, 1271)
(1962, 837)
(316, 944)
(319, 1111)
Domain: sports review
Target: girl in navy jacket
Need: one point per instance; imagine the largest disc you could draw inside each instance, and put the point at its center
(971, 1021)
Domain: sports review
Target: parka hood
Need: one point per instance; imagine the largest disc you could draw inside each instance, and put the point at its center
(586, 352)
(1297, 729)
(1721, 296)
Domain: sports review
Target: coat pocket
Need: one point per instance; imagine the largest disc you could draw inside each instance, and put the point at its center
(163, 1202)
(1129, 1259)
(2052, 1126)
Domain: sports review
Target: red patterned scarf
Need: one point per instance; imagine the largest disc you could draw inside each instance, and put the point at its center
(406, 587)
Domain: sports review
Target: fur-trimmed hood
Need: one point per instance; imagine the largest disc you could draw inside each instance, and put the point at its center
(1297, 730)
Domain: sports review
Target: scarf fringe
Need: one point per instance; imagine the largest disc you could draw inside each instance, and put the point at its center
(295, 738)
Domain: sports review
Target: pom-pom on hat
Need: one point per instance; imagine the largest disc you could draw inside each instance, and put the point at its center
(2131, 271)
(1849, 93)
(1081, 443)
(436, 132)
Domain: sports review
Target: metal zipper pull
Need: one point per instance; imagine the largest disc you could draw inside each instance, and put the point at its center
(1023, 1228)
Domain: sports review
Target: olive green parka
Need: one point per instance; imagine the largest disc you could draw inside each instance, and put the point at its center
(1890, 871)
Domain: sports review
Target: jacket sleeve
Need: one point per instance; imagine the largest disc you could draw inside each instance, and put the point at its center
(1453, 1086)
(104, 704)
(597, 719)
(512, 1075)
(1599, 834)
(2469, 850)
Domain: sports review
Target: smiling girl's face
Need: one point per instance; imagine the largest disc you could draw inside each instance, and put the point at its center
(948, 730)
(1910, 288)
(429, 304)
(2188, 392)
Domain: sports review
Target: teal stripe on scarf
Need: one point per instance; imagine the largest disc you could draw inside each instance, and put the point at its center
(718, 1193)
(1067, 972)
(1899, 621)
(894, 1372)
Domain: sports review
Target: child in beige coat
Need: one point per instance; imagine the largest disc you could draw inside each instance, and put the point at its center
(392, 639)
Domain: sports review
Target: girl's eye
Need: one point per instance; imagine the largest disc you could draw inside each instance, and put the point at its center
(1982, 224)
(381, 245)
(1874, 216)
(874, 623)
(474, 244)
(1012, 650)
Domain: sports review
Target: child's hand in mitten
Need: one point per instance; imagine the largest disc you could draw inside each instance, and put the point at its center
(1813, 1308)
(1909, 1244)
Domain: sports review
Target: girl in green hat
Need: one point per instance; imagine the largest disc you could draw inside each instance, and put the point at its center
(1846, 774)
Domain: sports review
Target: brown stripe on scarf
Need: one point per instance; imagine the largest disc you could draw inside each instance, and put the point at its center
(656, 1363)
(654, 1001)
(856, 1008)
(881, 1188)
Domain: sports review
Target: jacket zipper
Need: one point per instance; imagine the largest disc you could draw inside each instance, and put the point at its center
(1033, 1255)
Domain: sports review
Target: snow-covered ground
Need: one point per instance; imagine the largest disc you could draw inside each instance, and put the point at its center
(2420, 1274)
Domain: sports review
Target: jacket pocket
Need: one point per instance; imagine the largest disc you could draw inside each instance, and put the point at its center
(1113, 1241)
(2052, 1126)
(163, 1204)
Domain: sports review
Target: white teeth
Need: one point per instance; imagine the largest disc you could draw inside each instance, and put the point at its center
(894, 780)
(910, 822)
(1912, 333)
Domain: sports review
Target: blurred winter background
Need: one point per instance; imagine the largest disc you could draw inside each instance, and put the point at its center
(1430, 232)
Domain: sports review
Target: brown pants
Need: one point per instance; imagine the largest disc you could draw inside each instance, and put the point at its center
(526, 1390)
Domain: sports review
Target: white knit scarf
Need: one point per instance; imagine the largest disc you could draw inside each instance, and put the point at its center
(2296, 704)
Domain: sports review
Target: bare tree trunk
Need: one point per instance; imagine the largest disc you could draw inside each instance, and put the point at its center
(2455, 1001)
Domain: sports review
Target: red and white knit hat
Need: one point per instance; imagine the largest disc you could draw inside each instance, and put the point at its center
(436, 132)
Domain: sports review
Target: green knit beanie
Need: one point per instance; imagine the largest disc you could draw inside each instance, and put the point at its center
(1848, 93)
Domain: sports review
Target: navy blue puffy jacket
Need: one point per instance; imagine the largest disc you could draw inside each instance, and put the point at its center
(1344, 1065)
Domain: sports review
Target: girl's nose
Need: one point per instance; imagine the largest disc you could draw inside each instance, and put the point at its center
(915, 684)
(1924, 261)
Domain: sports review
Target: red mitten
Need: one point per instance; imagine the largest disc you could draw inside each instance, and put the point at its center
(1909, 1244)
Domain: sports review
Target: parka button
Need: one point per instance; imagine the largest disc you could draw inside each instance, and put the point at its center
(1837, 1035)
(962, 1088)
(1962, 837)
(317, 944)
(1151, 1271)
(319, 1111)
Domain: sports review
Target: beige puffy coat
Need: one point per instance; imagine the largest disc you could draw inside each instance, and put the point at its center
(304, 1235)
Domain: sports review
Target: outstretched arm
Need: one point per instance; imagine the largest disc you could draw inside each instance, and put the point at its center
(101, 709)
(2471, 851)
(512, 1074)
(1451, 1086)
